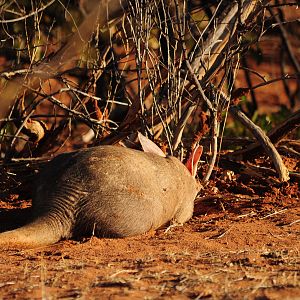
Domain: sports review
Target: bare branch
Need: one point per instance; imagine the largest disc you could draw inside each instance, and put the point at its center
(263, 140)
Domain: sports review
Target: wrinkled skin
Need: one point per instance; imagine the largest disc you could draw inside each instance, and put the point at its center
(107, 191)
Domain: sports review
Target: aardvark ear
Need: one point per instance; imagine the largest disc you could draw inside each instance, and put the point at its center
(149, 146)
(193, 160)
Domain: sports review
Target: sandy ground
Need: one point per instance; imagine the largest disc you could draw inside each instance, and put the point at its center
(235, 247)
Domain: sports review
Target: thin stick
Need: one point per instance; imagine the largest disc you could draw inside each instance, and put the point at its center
(274, 213)
(214, 145)
(86, 119)
(181, 125)
(27, 16)
(285, 77)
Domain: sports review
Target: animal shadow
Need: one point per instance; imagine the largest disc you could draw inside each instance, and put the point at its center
(13, 218)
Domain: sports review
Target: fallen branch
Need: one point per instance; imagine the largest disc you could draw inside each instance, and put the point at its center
(275, 135)
(263, 140)
(260, 173)
(289, 151)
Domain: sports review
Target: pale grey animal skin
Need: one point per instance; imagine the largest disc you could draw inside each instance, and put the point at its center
(106, 191)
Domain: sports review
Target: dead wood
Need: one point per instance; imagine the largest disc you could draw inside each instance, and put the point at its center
(224, 29)
(275, 135)
(102, 12)
(199, 65)
(288, 151)
(264, 142)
